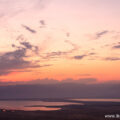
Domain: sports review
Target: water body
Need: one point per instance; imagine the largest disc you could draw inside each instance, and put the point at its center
(97, 100)
(30, 105)
(33, 105)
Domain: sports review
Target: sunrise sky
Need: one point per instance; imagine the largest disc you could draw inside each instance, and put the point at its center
(59, 39)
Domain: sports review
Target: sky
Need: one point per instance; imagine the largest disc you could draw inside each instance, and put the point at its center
(59, 39)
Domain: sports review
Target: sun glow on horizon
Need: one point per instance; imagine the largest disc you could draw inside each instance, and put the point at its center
(55, 39)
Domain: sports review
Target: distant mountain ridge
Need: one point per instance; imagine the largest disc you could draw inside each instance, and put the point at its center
(63, 90)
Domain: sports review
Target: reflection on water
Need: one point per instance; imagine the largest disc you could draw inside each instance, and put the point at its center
(33, 105)
(39, 108)
(98, 100)
(46, 106)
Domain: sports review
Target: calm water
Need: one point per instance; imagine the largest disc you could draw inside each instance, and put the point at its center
(98, 100)
(44, 106)
(32, 105)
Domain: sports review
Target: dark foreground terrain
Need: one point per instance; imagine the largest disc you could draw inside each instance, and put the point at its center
(89, 111)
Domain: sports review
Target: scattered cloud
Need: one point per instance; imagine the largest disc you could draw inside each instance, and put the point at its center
(31, 47)
(81, 80)
(52, 81)
(69, 80)
(58, 54)
(4, 72)
(11, 8)
(98, 35)
(26, 44)
(29, 29)
(20, 38)
(43, 81)
(112, 58)
(18, 59)
(117, 46)
(80, 57)
(15, 60)
(43, 24)
(54, 54)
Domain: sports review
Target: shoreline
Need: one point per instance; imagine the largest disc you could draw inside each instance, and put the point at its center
(89, 111)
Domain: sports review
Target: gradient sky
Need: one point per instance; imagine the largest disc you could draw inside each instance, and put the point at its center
(59, 39)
